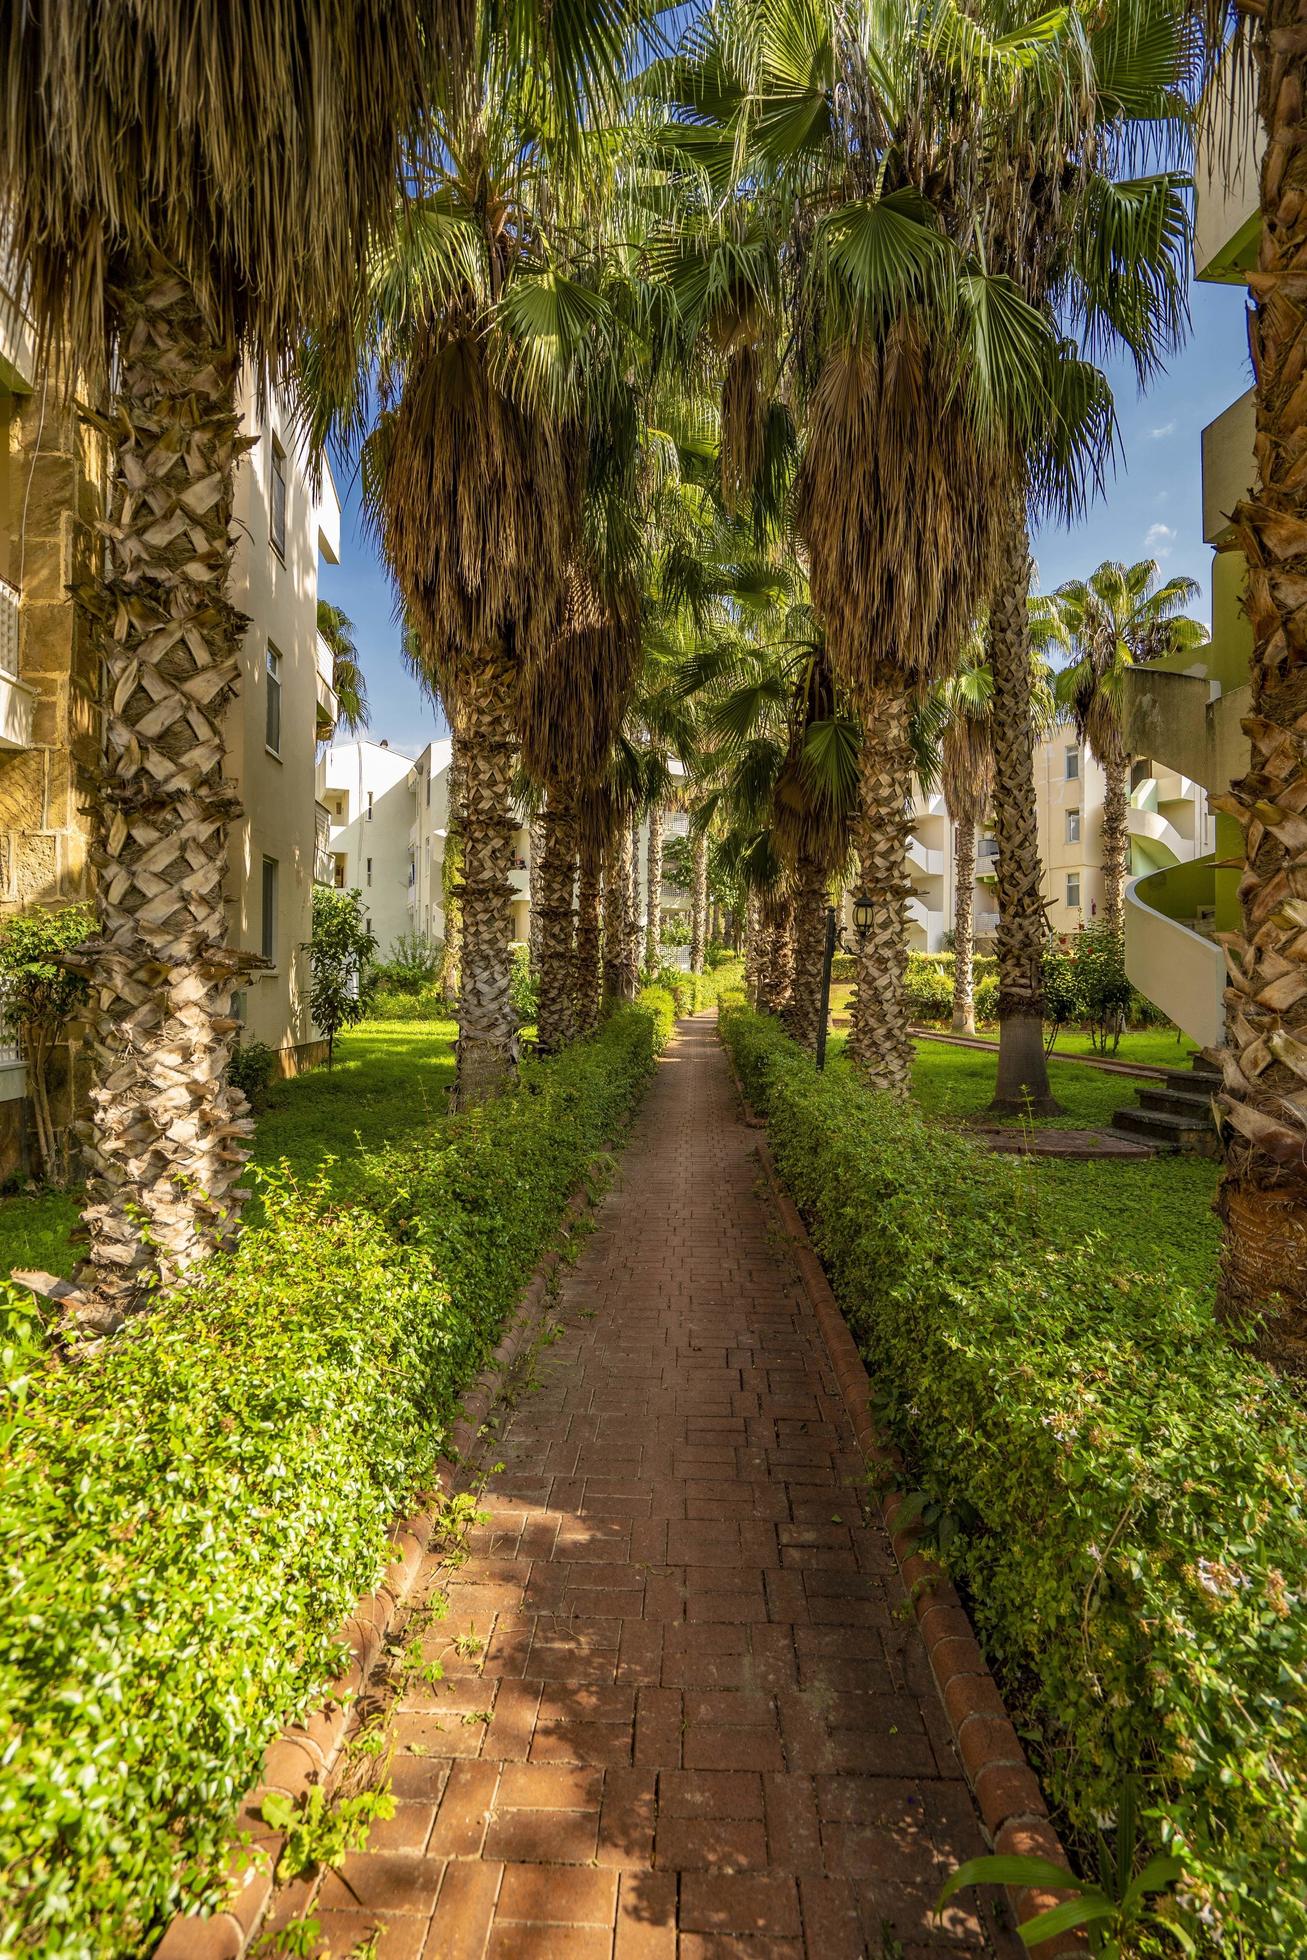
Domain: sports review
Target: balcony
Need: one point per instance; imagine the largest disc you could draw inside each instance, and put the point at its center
(1227, 163)
(929, 863)
(17, 701)
(987, 857)
(324, 859)
(1229, 465)
(328, 709)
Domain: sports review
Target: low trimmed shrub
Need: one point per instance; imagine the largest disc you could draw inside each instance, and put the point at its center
(929, 992)
(1119, 1492)
(428, 1006)
(187, 1516)
(251, 1070)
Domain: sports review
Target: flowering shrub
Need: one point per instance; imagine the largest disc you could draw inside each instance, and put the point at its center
(187, 1516)
(1120, 1494)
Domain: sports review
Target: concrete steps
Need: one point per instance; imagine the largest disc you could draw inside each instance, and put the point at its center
(1174, 1112)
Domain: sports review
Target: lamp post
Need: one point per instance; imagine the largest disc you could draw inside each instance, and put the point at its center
(862, 910)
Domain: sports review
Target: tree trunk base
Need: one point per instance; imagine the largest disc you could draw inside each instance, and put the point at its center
(484, 1069)
(1022, 1085)
(1262, 1289)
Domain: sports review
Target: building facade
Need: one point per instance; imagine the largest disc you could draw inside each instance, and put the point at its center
(1168, 821)
(368, 791)
(1187, 711)
(284, 710)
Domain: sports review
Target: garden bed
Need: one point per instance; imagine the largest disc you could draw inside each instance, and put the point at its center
(187, 1517)
(1119, 1493)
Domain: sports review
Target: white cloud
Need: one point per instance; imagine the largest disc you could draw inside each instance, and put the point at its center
(1158, 539)
(1164, 429)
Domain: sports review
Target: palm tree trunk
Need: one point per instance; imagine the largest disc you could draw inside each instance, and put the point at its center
(165, 1140)
(588, 982)
(486, 1055)
(1116, 840)
(451, 873)
(803, 1011)
(618, 982)
(1263, 1197)
(964, 930)
(634, 932)
(880, 1040)
(557, 879)
(1022, 1083)
(699, 903)
(753, 948)
(778, 978)
(536, 846)
(654, 890)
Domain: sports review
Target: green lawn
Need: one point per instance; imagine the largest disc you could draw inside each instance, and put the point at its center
(391, 1078)
(1157, 1211)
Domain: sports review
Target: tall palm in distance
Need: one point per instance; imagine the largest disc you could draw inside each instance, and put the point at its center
(1117, 618)
(864, 147)
(500, 383)
(183, 193)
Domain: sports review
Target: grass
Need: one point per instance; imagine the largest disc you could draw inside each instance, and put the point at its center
(1157, 1212)
(390, 1080)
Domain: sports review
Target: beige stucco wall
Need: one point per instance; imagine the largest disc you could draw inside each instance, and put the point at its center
(279, 594)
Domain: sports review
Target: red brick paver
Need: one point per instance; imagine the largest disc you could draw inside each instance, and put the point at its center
(713, 1732)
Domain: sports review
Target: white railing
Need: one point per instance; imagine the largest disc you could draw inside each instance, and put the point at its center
(8, 628)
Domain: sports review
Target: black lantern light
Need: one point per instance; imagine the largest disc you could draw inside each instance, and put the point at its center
(862, 915)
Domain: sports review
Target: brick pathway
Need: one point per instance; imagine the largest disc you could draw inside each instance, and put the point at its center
(713, 1733)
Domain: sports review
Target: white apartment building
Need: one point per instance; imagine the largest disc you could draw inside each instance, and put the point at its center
(425, 860)
(286, 707)
(367, 790)
(1167, 817)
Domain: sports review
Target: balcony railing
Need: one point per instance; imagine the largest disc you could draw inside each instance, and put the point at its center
(8, 627)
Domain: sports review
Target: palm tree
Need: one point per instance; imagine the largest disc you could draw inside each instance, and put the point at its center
(1118, 617)
(1263, 1200)
(495, 354)
(183, 194)
(923, 375)
(351, 690)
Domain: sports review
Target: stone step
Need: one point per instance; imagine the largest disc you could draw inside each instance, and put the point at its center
(1195, 1104)
(1166, 1129)
(1187, 1082)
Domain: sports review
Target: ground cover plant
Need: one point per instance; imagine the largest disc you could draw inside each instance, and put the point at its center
(1119, 1492)
(389, 1082)
(186, 1517)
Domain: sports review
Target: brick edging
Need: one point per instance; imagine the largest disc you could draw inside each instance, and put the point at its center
(304, 1753)
(1005, 1787)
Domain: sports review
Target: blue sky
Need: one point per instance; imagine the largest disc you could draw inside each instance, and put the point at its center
(1152, 508)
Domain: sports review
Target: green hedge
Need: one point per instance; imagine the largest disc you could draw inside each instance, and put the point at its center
(428, 1006)
(186, 1518)
(1120, 1494)
(693, 992)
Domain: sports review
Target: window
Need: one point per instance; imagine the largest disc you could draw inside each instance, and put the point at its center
(277, 500)
(428, 789)
(1073, 890)
(342, 871)
(272, 716)
(1073, 765)
(369, 813)
(1073, 826)
(369, 872)
(268, 946)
